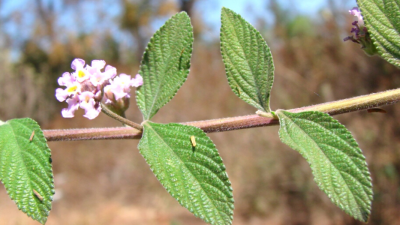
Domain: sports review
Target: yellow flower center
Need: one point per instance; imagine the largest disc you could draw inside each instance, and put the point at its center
(72, 89)
(81, 73)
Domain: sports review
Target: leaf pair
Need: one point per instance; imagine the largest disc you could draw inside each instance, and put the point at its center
(182, 157)
(336, 161)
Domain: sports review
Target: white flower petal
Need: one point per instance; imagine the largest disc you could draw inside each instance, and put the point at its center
(77, 64)
(98, 64)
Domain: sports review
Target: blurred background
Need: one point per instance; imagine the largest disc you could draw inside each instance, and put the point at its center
(108, 182)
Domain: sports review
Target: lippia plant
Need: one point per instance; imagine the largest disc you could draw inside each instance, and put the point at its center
(182, 156)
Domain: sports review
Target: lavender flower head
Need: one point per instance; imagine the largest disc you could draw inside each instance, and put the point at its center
(361, 35)
(88, 85)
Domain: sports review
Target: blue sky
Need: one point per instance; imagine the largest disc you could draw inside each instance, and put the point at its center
(253, 9)
(249, 9)
(208, 9)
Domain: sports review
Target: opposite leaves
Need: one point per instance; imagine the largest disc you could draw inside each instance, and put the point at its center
(382, 19)
(337, 162)
(165, 64)
(188, 165)
(248, 60)
(25, 167)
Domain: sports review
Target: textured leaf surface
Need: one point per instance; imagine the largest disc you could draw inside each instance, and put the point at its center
(382, 19)
(191, 170)
(165, 64)
(337, 162)
(25, 167)
(248, 60)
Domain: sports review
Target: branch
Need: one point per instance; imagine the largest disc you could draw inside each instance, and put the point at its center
(232, 123)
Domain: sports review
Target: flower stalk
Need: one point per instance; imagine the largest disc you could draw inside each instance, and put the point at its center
(121, 119)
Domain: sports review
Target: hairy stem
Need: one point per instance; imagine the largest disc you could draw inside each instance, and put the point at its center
(233, 123)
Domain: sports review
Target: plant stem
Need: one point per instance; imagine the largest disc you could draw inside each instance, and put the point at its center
(351, 104)
(233, 123)
(121, 119)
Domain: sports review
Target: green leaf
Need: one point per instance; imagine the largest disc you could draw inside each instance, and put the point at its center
(248, 60)
(191, 170)
(382, 19)
(336, 161)
(165, 64)
(25, 167)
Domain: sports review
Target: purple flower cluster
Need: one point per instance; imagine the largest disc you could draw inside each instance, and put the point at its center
(361, 35)
(88, 86)
(359, 30)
